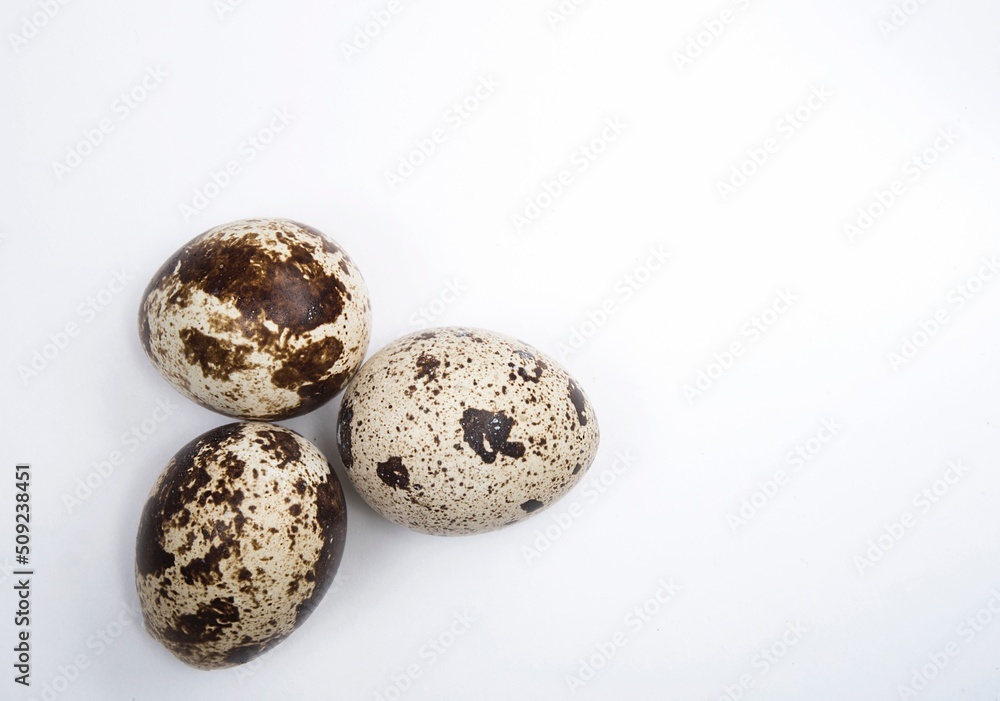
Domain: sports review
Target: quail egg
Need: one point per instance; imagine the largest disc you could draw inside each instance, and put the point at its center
(238, 542)
(259, 319)
(459, 431)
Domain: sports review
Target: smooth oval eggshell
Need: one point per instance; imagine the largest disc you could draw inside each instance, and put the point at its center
(458, 431)
(239, 541)
(258, 319)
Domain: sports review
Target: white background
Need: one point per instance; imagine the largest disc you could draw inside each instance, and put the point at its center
(65, 233)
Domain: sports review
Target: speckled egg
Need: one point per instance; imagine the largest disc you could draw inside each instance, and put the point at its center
(239, 541)
(259, 319)
(456, 431)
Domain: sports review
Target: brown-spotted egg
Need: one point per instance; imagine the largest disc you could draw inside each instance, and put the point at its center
(257, 319)
(457, 431)
(238, 542)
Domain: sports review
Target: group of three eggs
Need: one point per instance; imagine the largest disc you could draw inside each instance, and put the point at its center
(448, 431)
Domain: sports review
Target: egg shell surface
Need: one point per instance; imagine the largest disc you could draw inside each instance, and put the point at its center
(458, 431)
(238, 542)
(258, 319)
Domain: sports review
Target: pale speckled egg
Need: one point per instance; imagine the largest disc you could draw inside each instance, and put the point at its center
(457, 431)
(238, 542)
(258, 319)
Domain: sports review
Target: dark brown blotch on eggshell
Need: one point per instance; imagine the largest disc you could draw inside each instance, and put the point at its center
(295, 293)
(579, 402)
(308, 365)
(217, 358)
(532, 505)
(344, 420)
(393, 473)
(487, 433)
(427, 366)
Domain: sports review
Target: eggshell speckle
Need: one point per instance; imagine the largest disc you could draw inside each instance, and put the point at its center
(258, 319)
(239, 541)
(458, 431)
